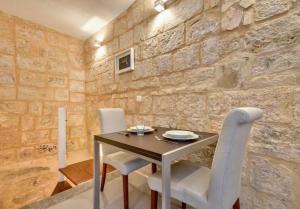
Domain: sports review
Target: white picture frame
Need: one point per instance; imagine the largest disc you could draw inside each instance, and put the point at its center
(124, 61)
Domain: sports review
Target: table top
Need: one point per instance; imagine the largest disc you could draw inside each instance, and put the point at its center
(148, 145)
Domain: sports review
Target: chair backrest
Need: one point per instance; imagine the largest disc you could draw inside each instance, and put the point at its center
(225, 181)
(111, 120)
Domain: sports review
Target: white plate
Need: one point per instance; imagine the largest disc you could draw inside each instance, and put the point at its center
(179, 134)
(192, 137)
(146, 130)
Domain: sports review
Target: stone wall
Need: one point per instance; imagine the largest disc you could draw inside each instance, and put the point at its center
(196, 61)
(40, 70)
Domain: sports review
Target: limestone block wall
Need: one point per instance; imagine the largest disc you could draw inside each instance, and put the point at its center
(40, 70)
(195, 62)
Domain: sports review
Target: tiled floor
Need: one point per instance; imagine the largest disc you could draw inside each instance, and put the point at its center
(112, 197)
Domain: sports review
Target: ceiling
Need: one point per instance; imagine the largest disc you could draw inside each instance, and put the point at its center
(78, 18)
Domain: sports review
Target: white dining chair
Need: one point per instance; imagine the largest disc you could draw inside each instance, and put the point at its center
(218, 187)
(113, 120)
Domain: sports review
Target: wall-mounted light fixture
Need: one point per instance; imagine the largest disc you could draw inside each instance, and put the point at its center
(159, 5)
(97, 44)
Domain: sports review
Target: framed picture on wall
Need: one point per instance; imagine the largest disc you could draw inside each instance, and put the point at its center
(124, 61)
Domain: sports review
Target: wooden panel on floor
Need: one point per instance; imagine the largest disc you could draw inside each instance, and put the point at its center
(81, 172)
(61, 187)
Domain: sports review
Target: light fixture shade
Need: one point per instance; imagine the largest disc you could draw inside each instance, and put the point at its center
(159, 5)
(97, 44)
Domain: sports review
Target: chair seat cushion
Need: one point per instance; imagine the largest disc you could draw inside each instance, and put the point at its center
(189, 183)
(125, 163)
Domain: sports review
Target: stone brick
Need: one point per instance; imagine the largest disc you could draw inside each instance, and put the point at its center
(296, 105)
(209, 51)
(31, 63)
(77, 86)
(7, 78)
(112, 47)
(7, 62)
(7, 93)
(165, 121)
(139, 33)
(7, 157)
(77, 132)
(126, 40)
(9, 139)
(29, 32)
(120, 26)
(228, 4)
(35, 137)
(171, 39)
(171, 79)
(265, 9)
(231, 43)
(235, 70)
(188, 57)
(143, 119)
(232, 18)
(78, 75)
(272, 80)
(107, 77)
(271, 178)
(56, 66)
(8, 121)
(135, 15)
(26, 153)
(145, 107)
(75, 120)
(164, 42)
(217, 104)
(246, 3)
(265, 37)
(30, 93)
(200, 76)
(6, 27)
(276, 103)
(191, 105)
(32, 79)
(143, 69)
(35, 108)
(77, 97)
(17, 107)
(27, 122)
(162, 64)
(164, 105)
(208, 4)
(201, 26)
(7, 46)
(165, 21)
(276, 62)
(151, 83)
(61, 94)
(57, 81)
(46, 122)
(248, 17)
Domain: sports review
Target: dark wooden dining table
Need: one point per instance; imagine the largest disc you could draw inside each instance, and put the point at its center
(152, 147)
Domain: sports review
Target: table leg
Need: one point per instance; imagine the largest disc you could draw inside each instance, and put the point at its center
(166, 186)
(96, 175)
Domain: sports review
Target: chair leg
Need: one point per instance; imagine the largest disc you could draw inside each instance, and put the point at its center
(154, 195)
(154, 167)
(103, 177)
(237, 204)
(183, 205)
(125, 192)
